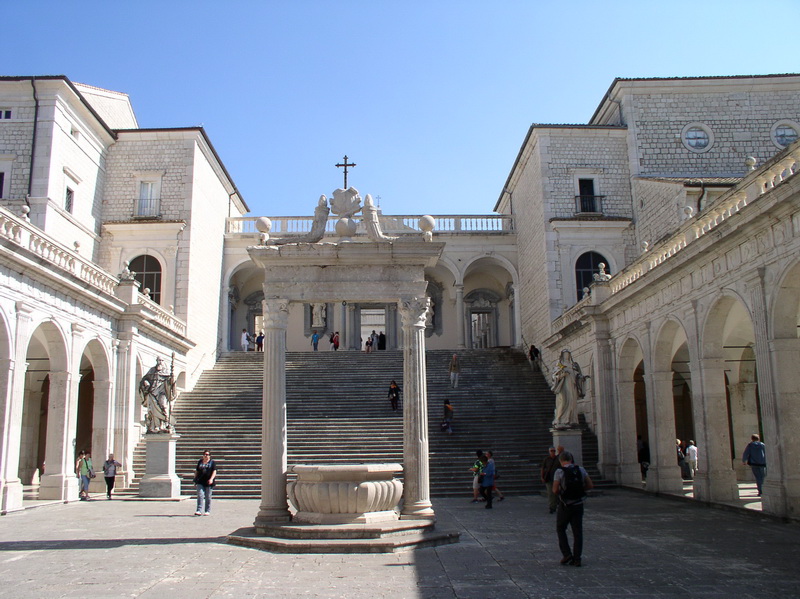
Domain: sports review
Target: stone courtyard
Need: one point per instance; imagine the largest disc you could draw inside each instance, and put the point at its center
(637, 545)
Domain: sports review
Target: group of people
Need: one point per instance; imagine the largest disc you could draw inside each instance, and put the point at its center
(375, 341)
(484, 479)
(567, 484)
(84, 471)
(249, 338)
(687, 458)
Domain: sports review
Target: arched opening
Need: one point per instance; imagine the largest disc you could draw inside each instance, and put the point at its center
(46, 445)
(634, 436)
(586, 266)
(147, 271)
(488, 304)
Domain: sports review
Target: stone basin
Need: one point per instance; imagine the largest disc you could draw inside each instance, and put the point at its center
(345, 493)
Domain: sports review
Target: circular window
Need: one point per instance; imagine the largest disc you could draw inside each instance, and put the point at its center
(784, 133)
(697, 137)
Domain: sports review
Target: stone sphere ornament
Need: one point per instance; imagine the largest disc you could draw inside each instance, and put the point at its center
(263, 224)
(427, 224)
(346, 227)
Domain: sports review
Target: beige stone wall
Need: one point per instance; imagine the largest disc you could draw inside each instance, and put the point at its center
(659, 207)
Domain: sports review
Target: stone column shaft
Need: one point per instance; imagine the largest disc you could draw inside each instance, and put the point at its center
(461, 340)
(58, 481)
(415, 412)
(274, 505)
(664, 475)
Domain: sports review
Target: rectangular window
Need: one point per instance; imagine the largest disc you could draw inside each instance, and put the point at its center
(5, 113)
(587, 200)
(69, 199)
(148, 203)
(2, 184)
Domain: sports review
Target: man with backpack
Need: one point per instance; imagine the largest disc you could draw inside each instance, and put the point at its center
(570, 484)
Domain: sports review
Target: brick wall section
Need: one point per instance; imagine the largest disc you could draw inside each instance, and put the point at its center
(15, 140)
(740, 120)
(659, 208)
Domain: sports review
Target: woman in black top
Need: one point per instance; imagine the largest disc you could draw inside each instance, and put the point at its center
(394, 395)
(204, 477)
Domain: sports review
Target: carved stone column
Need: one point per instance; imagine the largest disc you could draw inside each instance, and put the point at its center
(392, 333)
(460, 317)
(58, 481)
(274, 504)
(353, 335)
(415, 411)
(664, 475)
(343, 326)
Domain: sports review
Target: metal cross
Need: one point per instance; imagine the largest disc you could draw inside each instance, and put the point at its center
(346, 166)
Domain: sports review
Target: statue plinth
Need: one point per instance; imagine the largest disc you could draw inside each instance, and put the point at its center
(160, 479)
(570, 440)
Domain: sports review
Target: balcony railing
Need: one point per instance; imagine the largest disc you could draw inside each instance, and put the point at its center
(589, 204)
(393, 225)
(147, 208)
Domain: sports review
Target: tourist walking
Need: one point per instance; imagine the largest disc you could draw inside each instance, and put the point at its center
(110, 473)
(315, 341)
(85, 472)
(548, 470)
(495, 490)
(454, 369)
(335, 341)
(447, 422)
(245, 340)
(755, 456)
(691, 457)
(487, 479)
(204, 476)
(570, 484)
(260, 341)
(394, 395)
(477, 469)
(533, 353)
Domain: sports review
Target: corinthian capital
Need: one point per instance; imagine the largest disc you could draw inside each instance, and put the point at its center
(413, 312)
(276, 313)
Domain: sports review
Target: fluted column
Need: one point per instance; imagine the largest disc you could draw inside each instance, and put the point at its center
(274, 505)
(415, 411)
(460, 316)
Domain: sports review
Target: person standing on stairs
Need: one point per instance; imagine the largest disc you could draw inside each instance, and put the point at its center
(476, 469)
(447, 423)
(454, 369)
(245, 340)
(394, 395)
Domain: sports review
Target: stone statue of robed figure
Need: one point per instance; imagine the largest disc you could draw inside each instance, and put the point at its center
(568, 383)
(157, 390)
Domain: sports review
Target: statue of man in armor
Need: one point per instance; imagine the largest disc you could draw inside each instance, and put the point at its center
(157, 390)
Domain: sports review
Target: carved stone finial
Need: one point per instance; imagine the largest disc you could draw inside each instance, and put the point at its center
(264, 226)
(750, 162)
(26, 210)
(645, 246)
(146, 292)
(602, 275)
(688, 211)
(586, 292)
(427, 224)
(127, 274)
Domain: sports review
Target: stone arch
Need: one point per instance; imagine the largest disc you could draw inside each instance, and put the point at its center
(634, 441)
(95, 409)
(46, 451)
(244, 281)
(727, 403)
(784, 312)
(668, 396)
(488, 305)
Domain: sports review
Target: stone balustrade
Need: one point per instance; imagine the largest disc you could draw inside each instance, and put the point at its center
(26, 235)
(394, 225)
(747, 191)
(168, 319)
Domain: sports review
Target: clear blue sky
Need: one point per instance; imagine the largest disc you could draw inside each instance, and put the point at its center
(431, 99)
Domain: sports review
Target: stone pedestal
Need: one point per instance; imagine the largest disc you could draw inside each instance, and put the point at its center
(345, 493)
(570, 440)
(160, 479)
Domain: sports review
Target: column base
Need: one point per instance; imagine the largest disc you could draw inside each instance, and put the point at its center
(630, 475)
(665, 480)
(420, 510)
(268, 516)
(59, 487)
(10, 496)
(719, 486)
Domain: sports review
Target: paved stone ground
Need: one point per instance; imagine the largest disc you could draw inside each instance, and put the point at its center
(637, 545)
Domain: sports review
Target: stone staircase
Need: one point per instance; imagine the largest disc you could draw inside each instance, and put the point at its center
(338, 412)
